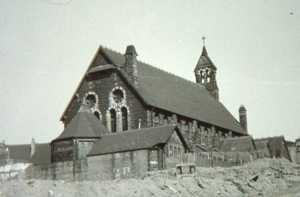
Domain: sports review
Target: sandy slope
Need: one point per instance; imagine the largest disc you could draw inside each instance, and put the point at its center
(274, 178)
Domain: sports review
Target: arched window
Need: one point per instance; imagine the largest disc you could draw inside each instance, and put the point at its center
(113, 119)
(124, 119)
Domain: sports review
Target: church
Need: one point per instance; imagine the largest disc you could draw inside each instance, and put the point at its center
(127, 117)
(124, 93)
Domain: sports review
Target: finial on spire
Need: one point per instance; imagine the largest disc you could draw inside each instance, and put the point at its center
(203, 39)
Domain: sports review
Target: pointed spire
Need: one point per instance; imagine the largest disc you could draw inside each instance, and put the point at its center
(204, 51)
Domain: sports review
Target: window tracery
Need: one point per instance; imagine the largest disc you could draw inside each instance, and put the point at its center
(92, 101)
(119, 110)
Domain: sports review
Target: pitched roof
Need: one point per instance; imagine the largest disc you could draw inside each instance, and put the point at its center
(42, 154)
(178, 95)
(100, 68)
(134, 140)
(83, 125)
(204, 60)
(240, 144)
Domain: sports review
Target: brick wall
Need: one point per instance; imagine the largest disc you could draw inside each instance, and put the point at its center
(103, 83)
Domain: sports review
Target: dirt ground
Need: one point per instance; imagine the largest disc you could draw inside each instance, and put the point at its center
(267, 177)
(293, 191)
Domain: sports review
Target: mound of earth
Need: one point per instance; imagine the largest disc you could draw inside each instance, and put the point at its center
(266, 177)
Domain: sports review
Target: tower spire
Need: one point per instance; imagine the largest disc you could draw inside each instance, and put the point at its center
(205, 72)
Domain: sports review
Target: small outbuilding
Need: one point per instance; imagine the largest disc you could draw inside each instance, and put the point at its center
(273, 147)
(78, 137)
(134, 152)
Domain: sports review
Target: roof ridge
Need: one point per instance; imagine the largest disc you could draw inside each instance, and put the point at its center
(136, 130)
(266, 138)
(104, 47)
(155, 67)
(170, 73)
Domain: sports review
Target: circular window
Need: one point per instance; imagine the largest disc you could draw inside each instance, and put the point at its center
(118, 95)
(91, 100)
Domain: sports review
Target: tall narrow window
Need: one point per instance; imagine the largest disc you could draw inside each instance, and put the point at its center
(113, 119)
(124, 119)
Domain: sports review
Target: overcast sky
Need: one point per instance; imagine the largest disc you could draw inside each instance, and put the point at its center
(46, 45)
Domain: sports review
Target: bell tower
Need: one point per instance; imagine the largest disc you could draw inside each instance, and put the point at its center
(205, 73)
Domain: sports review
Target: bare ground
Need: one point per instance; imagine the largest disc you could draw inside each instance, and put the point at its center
(267, 177)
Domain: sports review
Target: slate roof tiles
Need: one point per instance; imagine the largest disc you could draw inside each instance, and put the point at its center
(172, 93)
(167, 91)
(134, 140)
(83, 125)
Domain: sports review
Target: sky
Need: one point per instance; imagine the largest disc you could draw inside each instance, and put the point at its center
(46, 46)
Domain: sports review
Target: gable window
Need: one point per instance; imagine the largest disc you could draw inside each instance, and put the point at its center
(118, 95)
(91, 100)
(113, 119)
(124, 119)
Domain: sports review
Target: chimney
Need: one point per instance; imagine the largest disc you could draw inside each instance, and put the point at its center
(32, 147)
(243, 117)
(131, 63)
